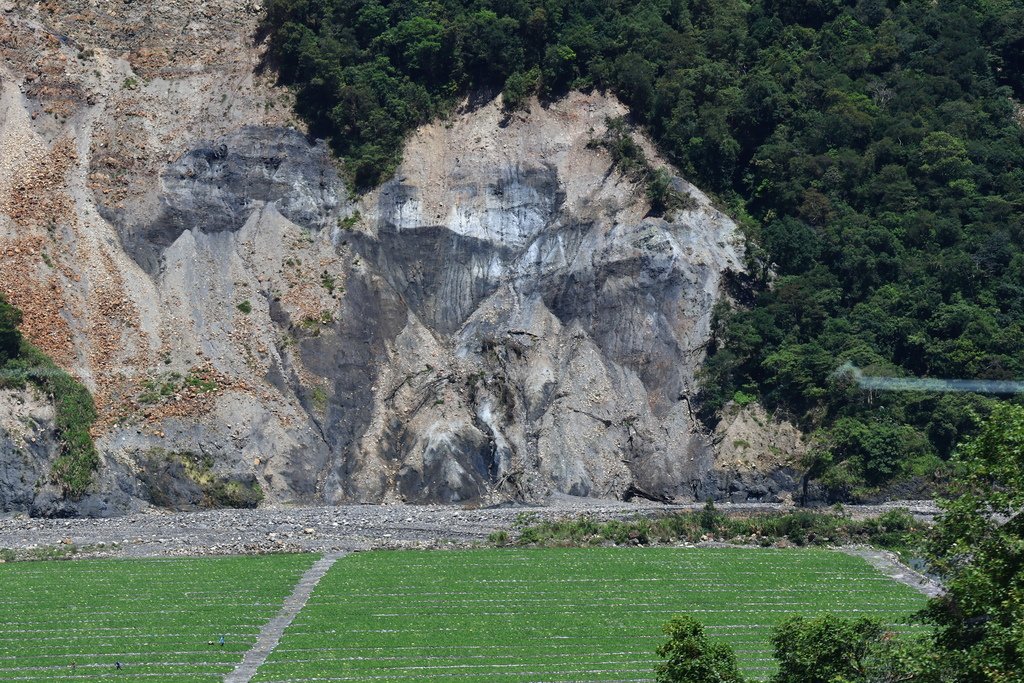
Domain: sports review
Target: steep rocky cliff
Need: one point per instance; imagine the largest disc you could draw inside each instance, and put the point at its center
(502, 320)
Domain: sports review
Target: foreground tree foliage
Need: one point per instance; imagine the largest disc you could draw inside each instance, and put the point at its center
(868, 146)
(691, 658)
(831, 649)
(824, 649)
(977, 549)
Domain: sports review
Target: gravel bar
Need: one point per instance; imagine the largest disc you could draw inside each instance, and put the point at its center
(159, 533)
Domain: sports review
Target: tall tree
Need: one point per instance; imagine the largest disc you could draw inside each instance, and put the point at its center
(978, 549)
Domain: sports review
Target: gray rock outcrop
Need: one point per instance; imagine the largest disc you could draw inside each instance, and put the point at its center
(501, 321)
(29, 444)
(505, 322)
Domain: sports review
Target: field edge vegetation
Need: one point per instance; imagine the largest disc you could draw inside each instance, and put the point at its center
(976, 624)
(896, 530)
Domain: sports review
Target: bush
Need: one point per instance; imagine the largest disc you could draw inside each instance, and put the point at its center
(831, 649)
(498, 538)
(692, 658)
(896, 530)
(823, 649)
(234, 493)
(710, 518)
(10, 337)
(519, 87)
(75, 415)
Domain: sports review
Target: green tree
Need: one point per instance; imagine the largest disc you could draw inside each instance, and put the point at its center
(831, 649)
(978, 550)
(492, 49)
(519, 88)
(634, 79)
(877, 450)
(690, 657)
(943, 156)
(823, 649)
(417, 47)
(793, 245)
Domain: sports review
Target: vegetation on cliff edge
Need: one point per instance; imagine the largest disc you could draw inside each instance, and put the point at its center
(21, 363)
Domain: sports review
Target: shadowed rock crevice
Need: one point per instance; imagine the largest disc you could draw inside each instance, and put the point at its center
(441, 275)
(348, 353)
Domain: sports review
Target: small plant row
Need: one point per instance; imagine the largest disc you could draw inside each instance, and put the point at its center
(895, 530)
(561, 614)
(160, 619)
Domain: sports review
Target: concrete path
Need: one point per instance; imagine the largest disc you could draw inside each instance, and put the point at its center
(888, 563)
(274, 629)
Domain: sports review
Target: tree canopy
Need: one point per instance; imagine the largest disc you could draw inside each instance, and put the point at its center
(690, 657)
(978, 549)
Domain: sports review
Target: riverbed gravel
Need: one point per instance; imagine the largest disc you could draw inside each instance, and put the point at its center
(158, 533)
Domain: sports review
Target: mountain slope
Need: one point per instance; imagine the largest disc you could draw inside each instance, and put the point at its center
(501, 320)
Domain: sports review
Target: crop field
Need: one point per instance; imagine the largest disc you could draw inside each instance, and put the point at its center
(561, 614)
(74, 620)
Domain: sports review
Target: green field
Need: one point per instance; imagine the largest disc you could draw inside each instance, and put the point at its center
(561, 614)
(157, 617)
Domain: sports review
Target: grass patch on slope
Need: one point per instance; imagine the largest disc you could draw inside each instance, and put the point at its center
(22, 363)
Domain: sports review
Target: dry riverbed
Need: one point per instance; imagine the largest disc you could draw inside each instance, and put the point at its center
(321, 529)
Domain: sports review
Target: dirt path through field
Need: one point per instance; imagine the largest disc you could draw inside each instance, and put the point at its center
(274, 629)
(888, 564)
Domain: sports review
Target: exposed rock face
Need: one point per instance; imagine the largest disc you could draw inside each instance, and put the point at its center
(502, 320)
(542, 333)
(757, 457)
(214, 188)
(28, 446)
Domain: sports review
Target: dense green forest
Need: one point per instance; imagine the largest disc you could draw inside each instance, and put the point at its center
(21, 365)
(870, 150)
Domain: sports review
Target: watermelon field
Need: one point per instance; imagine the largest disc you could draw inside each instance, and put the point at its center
(561, 614)
(471, 615)
(161, 619)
